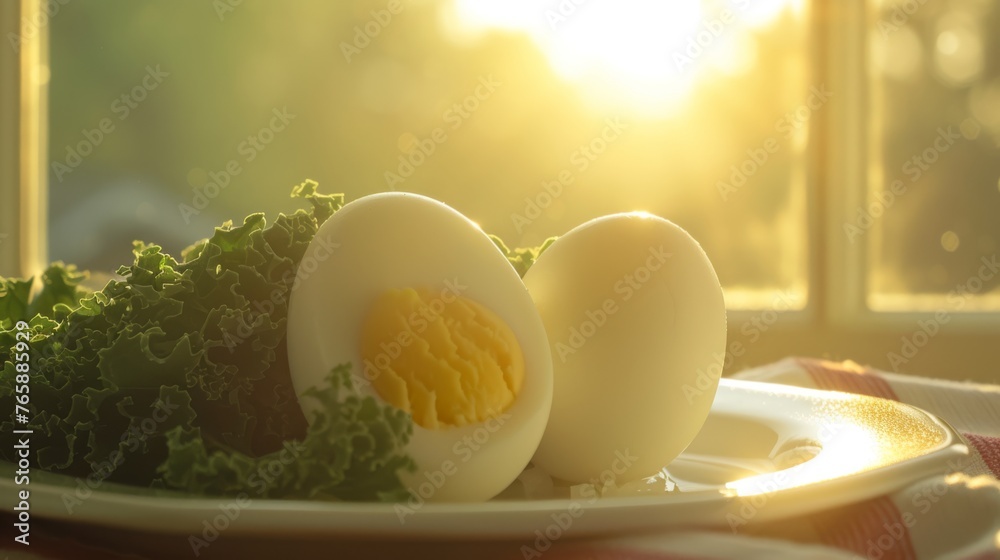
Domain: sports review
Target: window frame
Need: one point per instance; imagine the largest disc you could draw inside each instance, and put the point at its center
(23, 145)
(850, 146)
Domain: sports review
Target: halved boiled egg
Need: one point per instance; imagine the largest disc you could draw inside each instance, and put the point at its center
(434, 321)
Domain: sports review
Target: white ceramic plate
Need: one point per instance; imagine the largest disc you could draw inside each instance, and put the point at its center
(767, 452)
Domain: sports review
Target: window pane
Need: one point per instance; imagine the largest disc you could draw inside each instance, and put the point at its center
(527, 119)
(936, 103)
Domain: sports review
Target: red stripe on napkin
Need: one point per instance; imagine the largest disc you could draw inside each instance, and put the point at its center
(989, 449)
(848, 377)
(873, 529)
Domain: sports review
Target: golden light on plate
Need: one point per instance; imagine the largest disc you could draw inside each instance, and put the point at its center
(855, 434)
(847, 449)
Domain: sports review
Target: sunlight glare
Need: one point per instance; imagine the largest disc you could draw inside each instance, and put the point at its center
(736, 54)
(510, 14)
(620, 52)
(760, 13)
(848, 449)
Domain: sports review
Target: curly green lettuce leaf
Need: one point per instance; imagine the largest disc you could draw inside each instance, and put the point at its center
(521, 258)
(176, 374)
(354, 450)
(211, 326)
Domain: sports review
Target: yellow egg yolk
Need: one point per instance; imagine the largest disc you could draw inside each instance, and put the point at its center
(443, 358)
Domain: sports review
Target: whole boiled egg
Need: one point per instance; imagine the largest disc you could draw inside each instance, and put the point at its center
(436, 322)
(635, 319)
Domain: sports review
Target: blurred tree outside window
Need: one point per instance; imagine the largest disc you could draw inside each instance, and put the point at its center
(169, 117)
(935, 93)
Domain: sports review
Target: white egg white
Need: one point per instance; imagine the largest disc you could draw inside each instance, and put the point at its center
(636, 319)
(403, 240)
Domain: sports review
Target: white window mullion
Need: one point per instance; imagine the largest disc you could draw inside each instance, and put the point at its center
(22, 138)
(844, 177)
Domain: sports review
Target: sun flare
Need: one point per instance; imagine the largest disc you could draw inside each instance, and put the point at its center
(644, 55)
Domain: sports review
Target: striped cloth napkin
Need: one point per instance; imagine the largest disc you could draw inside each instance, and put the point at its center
(955, 515)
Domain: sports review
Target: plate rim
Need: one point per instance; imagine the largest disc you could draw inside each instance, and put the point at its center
(784, 503)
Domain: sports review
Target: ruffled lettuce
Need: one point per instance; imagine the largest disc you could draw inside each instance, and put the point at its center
(177, 375)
